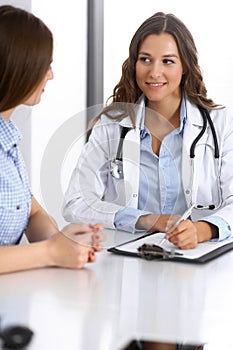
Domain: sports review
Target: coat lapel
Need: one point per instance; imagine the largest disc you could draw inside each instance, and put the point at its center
(191, 167)
(131, 155)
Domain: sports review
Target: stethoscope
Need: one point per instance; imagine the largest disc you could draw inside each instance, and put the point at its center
(116, 164)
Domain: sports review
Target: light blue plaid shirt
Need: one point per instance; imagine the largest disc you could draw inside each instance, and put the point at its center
(15, 192)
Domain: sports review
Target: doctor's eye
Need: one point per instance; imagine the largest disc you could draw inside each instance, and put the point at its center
(144, 59)
(168, 61)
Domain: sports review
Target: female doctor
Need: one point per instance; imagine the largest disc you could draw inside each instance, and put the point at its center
(171, 156)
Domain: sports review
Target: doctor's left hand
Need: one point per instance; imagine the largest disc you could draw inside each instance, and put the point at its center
(156, 222)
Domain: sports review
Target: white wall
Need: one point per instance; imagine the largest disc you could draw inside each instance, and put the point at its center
(24, 4)
(65, 96)
(209, 21)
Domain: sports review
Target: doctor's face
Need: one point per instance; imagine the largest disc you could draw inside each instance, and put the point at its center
(159, 69)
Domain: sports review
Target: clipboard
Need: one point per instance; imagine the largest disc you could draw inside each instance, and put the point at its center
(204, 252)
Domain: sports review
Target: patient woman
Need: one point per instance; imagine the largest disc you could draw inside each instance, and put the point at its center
(26, 52)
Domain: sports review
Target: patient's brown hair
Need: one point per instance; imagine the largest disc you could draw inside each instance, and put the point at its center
(26, 46)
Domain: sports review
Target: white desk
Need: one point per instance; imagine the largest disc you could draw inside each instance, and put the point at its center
(116, 299)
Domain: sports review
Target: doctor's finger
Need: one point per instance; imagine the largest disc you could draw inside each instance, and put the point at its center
(183, 241)
(177, 229)
(171, 223)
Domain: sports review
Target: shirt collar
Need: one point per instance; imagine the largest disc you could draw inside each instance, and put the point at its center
(140, 114)
(183, 114)
(9, 134)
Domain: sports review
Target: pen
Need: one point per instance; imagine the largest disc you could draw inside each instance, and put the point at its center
(186, 214)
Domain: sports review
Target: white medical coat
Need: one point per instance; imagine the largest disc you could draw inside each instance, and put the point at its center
(93, 195)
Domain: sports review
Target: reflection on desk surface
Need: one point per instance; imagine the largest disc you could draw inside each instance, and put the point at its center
(146, 345)
(117, 299)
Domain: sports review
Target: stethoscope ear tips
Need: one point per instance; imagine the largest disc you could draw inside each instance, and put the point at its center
(16, 337)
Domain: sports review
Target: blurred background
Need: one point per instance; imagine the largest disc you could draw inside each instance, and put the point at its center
(91, 40)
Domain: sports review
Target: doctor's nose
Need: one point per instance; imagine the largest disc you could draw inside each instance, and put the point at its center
(156, 70)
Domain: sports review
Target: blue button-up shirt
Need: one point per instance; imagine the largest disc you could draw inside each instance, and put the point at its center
(160, 185)
(15, 193)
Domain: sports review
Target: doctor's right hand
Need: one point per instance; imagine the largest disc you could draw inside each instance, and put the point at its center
(156, 222)
(75, 245)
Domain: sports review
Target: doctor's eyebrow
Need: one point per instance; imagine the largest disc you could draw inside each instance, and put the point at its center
(169, 55)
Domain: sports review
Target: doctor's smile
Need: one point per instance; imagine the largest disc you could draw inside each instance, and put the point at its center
(156, 84)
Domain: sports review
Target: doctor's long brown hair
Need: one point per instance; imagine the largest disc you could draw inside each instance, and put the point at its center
(26, 46)
(127, 90)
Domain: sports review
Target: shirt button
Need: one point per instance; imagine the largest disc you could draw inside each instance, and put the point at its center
(135, 195)
(18, 207)
(187, 191)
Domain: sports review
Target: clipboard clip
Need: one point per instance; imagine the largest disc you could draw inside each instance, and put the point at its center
(155, 252)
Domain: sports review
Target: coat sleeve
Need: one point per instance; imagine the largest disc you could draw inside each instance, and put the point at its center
(221, 188)
(92, 196)
(226, 170)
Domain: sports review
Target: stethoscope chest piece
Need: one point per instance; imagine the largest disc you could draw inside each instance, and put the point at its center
(116, 166)
(116, 169)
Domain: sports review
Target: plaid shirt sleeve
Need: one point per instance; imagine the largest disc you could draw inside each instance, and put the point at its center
(15, 192)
